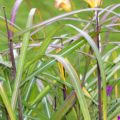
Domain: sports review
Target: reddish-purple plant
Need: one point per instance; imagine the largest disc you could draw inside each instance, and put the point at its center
(118, 117)
(109, 90)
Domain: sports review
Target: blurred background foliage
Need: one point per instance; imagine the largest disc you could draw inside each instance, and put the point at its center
(45, 10)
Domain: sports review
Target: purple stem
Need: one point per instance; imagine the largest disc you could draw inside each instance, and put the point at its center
(97, 40)
(10, 46)
(10, 35)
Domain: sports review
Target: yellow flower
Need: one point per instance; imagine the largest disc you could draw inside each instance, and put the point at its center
(94, 3)
(63, 4)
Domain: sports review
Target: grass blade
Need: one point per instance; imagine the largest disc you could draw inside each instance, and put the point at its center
(99, 59)
(6, 102)
(22, 59)
(76, 84)
(68, 103)
(67, 50)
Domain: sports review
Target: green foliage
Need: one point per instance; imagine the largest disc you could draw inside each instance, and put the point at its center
(57, 62)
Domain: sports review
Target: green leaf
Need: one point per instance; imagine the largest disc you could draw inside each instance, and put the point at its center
(68, 103)
(22, 59)
(6, 102)
(101, 65)
(76, 85)
(65, 51)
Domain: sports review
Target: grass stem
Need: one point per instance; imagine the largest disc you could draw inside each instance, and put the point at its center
(97, 40)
